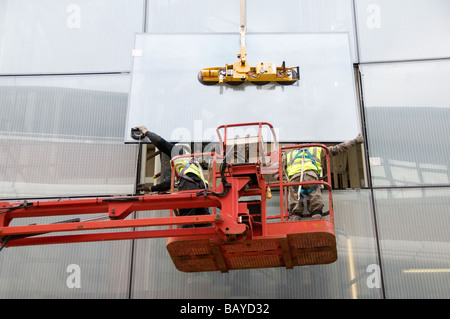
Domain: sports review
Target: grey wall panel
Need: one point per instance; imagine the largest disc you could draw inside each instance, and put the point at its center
(66, 271)
(41, 167)
(414, 241)
(59, 136)
(77, 105)
(193, 17)
(70, 36)
(402, 30)
(407, 111)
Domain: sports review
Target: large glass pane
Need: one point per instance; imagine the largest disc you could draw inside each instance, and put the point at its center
(167, 97)
(62, 135)
(414, 241)
(70, 36)
(211, 16)
(354, 275)
(402, 29)
(407, 111)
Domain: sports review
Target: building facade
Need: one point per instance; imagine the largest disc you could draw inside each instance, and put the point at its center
(65, 78)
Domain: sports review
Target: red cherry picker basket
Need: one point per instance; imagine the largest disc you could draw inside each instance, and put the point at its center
(242, 235)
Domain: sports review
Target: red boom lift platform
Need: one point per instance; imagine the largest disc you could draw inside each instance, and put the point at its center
(242, 236)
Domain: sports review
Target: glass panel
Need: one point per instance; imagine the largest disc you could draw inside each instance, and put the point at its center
(167, 97)
(210, 16)
(414, 241)
(54, 36)
(407, 111)
(61, 135)
(351, 276)
(403, 29)
(193, 17)
(86, 270)
(306, 16)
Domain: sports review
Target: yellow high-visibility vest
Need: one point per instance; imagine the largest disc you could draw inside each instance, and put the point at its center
(309, 156)
(184, 167)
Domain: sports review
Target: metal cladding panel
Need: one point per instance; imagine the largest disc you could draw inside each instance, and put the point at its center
(80, 36)
(167, 97)
(61, 136)
(407, 111)
(402, 30)
(73, 271)
(414, 241)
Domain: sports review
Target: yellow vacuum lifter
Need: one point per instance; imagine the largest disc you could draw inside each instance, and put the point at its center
(240, 72)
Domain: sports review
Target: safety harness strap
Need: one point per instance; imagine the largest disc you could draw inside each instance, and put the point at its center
(306, 191)
(198, 170)
(308, 155)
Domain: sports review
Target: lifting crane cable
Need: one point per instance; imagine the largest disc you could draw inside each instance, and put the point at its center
(8, 238)
(4, 242)
(25, 204)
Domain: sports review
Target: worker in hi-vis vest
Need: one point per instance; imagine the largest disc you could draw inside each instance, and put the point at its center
(305, 165)
(190, 173)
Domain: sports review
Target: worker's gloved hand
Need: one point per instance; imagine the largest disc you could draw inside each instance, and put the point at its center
(359, 139)
(143, 129)
(143, 187)
(204, 165)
